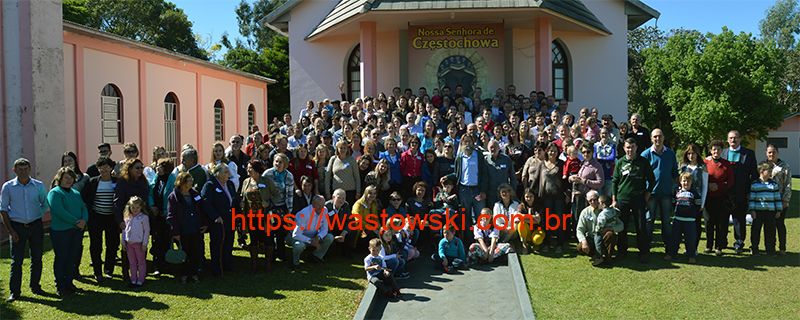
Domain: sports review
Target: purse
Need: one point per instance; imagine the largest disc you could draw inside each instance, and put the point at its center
(175, 255)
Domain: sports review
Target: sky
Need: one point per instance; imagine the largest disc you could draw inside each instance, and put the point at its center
(212, 18)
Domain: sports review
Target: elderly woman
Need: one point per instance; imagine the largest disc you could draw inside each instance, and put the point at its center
(342, 173)
(69, 217)
(551, 191)
(131, 182)
(283, 199)
(187, 223)
(256, 197)
(219, 194)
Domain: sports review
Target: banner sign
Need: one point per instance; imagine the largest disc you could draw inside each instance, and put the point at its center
(467, 36)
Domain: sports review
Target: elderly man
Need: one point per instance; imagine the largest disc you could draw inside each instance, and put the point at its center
(311, 229)
(665, 169)
(23, 202)
(588, 230)
(743, 162)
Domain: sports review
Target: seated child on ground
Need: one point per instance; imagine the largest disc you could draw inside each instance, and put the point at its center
(393, 253)
(377, 273)
(607, 220)
(450, 253)
(408, 237)
(486, 247)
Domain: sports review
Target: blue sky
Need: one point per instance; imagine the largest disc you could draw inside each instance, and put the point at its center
(212, 18)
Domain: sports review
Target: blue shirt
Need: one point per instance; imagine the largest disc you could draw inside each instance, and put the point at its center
(395, 175)
(469, 167)
(24, 203)
(665, 169)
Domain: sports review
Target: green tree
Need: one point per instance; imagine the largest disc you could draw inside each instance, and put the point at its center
(262, 51)
(155, 22)
(650, 106)
(711, 84)
(781, 26)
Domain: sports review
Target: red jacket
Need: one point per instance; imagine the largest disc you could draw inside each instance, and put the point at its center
(719, 172)
(411, 165)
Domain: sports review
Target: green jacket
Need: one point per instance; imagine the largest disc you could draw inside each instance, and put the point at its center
(66, 208)
(632, 178)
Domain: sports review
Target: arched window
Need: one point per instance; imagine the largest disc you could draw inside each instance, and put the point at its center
(111, 114)
(251, 116)
(171, 124)
(219, 120)
(354, 73)
(561, 71)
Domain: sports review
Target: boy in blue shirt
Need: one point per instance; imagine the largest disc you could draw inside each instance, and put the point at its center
(766, 206)
(450, 254)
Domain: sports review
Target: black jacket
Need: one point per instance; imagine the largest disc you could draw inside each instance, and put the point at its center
(176, 209)
(216, 203)
(90, 191)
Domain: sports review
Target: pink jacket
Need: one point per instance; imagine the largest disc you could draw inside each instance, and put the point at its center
(137, 229)
(592, 173)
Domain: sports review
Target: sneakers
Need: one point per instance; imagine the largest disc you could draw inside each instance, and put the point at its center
(402, 276)
(708, 250)
(597, 261)
(718, 253)
(12, 297)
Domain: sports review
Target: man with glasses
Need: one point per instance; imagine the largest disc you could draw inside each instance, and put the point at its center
(104, 150)
(22, 205)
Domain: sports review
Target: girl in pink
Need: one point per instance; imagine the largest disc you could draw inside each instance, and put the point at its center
(135, 238)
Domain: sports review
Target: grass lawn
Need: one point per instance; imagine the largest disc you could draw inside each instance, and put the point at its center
(727, 287)
(329, 291)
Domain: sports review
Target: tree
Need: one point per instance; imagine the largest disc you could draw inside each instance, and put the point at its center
(711, 84)
(155, 22)
(781, 27)
(650, 106)
(263, 51)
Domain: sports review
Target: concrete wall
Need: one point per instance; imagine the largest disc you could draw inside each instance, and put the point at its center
(790, 129)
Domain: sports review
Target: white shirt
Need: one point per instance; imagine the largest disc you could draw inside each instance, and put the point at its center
(507, 213)
(310, 223)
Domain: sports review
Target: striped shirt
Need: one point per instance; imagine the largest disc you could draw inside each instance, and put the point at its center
(687, 205)
(765, 196)
(104, 197)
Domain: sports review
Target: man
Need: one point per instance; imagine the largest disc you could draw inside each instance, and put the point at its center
(471, 174)
(638, 133)
(665, 169)
(500, 170)
(743, 161)
(631, 185)
(22, 205)
(311, 230)
(613, 132)
(411, 124)
(338, 208)
(104, 149)
(296, 137)
(240, 159)
(189, 164)
(586, 231)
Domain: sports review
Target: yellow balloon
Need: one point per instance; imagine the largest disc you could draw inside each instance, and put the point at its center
(538, 237)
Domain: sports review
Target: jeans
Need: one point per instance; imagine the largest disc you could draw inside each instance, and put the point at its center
(633, 209)
(32, 233)
(660, 206)
(683, 230)
(767, 220)
(471, 206)
(66, 245)
(780, 225)
(298, 247)
(396, 264)
(740, 207)
(99, 224)
(221, 247)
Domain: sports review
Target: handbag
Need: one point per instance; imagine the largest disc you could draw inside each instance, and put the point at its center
(175, 255)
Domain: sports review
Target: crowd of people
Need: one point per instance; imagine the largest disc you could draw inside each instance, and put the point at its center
(514, 158)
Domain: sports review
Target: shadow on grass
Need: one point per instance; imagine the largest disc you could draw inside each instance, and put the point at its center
(122, 307)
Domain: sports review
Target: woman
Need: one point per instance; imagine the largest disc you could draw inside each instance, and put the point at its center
(187, 224)
(590, 177)
(380, 179)
(98, 195)
(131, 182)
(427, 136)
(531, 169)
(220, 197)
(392, 157)
(693, 163)
(355, 145)
(624, 128)
(342, 172)
(364, 167)
(430, 172)
(69, 217)
(551, 191)
(70, 160)
(161, 186)
(782, 175)
(150, 171)
(303, 195)
(282, 200)
(606, 154)
(321, 158)
(411, 166)
(366, 205)
(262, 153)
(506, 207)
(256, 197)
(218, 157)
(303, 165)
(718, 202)
(519, 154)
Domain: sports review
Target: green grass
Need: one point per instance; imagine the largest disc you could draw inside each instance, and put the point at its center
(329, 291)
(727, 287)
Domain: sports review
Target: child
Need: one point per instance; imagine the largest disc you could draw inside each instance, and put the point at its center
(687, 209)
(420, 205)
(572, 165)
(450, 253)
(446, 201)
(396, 205)
(530, 229)
(408, 237)
(392, 253)
(135, 238)
(608, 218)
(486, 247)
(766, 206)
(377, 273)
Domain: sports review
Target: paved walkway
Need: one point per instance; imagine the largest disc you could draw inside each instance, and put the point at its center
(484, 292)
